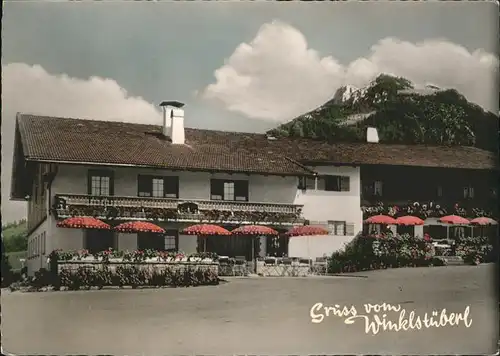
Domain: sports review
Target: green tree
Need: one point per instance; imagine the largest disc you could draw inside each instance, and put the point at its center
(15, 236)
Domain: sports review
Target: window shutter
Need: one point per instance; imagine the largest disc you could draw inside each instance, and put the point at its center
(144, 186)
(171, 186)
(241, 189)
(217, 187)
(111, 182)
(89, 182)
(321, 183)
(302, 183)
(311, 183)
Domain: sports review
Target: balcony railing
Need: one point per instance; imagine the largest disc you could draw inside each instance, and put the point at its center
(180, 210)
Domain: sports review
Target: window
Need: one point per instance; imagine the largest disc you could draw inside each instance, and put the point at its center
(377, 188)
(337, 228)
(158, 187)
(236, 190)
(171, 240)
(334, 183)
(99, 240)
(100, 183)
(468, 192)
(307, 183)
(349, 229)
(43, 243)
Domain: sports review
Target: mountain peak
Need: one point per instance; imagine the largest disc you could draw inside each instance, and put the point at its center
(347, 93)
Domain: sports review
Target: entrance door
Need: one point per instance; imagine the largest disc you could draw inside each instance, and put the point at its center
(99, 240)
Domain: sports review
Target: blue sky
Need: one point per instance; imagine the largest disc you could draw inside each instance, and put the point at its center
(241, 66)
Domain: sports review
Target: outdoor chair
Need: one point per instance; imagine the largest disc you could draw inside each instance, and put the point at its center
(240, 266)
(320, 266)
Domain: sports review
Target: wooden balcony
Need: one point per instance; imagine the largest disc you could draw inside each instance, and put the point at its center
(176, 210)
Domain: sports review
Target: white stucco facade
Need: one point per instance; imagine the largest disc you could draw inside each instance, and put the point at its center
(38, 248)
(322, 207)
(319, 206)
(72, 179)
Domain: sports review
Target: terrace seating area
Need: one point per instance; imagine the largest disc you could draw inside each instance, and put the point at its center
(273, 266)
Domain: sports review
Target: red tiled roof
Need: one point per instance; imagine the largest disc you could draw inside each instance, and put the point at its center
(107, 142)
(111, 142)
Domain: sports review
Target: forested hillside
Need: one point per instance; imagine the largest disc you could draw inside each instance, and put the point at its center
(401, 113)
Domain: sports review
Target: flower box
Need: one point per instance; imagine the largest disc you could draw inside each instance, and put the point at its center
(151, 259)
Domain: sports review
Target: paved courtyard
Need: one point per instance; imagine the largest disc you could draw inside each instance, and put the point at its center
(256, 315)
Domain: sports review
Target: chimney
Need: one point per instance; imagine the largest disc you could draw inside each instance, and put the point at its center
(173, 114)
(371, 135)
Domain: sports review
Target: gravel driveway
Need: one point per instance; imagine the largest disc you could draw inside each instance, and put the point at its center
(256, 315)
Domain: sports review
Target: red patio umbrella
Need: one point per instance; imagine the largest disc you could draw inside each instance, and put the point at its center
(307, 230)
(139, 226)
(381, 219)
(409, 220)
(254, 230)
(483, 221)
(454, 219)
(83, 222)
(205, 230)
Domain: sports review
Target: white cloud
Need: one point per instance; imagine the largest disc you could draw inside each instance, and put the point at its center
(277, 77)
(31, 89)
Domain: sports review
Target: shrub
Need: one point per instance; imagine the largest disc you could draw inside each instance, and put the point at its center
(474, 250)
(134, 276)
(381, 251)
